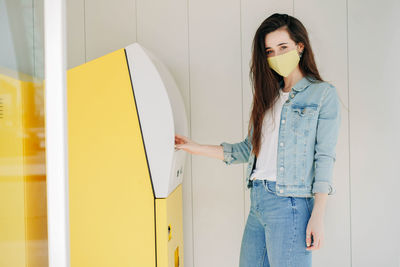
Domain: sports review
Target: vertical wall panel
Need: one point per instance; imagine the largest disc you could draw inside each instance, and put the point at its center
(374, 39)
(327, 28)
(109, 25)
(75, 33)
(162, 26)
(216, 103)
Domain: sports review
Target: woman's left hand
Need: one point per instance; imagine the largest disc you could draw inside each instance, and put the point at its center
(315, 228)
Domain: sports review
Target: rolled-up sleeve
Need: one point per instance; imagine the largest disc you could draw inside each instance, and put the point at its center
(329, 120)
(236, 153)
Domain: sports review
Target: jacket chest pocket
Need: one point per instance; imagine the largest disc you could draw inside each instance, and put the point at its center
(303, 117)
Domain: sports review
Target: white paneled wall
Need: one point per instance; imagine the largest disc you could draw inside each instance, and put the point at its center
(207, 46)
(216, 103)
(374, 93)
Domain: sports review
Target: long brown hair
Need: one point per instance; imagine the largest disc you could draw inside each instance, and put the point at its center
(265, 81)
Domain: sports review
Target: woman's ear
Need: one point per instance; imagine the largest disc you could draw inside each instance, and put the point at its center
(301, 47)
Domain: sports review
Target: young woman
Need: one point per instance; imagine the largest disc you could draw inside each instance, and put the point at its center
(290, 147)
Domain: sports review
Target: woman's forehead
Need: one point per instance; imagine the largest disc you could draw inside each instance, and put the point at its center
(276, 38)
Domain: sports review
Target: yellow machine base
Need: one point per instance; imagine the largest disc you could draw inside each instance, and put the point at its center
(169, 230)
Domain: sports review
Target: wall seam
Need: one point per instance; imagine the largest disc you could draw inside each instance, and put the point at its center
(293, 7)
(84, 28)
(242, 90)
(190, 126)
(348, 126)
(136, 18)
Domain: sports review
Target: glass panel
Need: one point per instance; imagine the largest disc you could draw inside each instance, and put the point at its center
(23, 218)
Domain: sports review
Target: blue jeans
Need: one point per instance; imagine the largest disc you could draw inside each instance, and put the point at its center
(275, 231)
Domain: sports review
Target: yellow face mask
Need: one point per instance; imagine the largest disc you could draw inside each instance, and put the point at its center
(284, 64)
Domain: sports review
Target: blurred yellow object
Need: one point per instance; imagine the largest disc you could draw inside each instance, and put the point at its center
(23, 219)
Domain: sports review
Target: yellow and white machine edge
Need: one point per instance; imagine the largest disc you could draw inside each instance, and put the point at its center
(161, 109)
(125, 201)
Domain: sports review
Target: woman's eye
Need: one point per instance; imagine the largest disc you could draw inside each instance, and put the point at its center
(283, 47)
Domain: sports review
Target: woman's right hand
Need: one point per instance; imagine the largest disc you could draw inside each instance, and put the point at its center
(184, 143)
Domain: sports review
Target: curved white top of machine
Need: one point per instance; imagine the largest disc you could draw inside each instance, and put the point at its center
(161, 112)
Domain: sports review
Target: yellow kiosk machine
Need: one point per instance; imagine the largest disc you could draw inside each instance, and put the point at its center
(125, 177)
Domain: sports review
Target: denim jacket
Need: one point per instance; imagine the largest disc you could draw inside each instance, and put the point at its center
(308, 133)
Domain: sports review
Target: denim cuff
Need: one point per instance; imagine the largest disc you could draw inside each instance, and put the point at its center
(323, 187)
(227, 148)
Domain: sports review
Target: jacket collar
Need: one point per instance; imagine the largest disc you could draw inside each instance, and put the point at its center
(300, 85)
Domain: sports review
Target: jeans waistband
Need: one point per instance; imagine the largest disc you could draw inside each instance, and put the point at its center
(257, 182)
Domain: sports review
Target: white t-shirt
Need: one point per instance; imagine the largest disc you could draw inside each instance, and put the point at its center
(266, 160)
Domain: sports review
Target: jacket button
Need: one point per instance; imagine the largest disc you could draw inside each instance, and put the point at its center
(292, 95)
(281, 168)
(283, 121)
(281, 144)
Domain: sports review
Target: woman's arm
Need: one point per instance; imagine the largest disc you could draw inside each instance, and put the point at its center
(325, 156)
(229, 153)
(328, 124)
(315, 226)
(212, 151)
(236, 153)
(319, 205)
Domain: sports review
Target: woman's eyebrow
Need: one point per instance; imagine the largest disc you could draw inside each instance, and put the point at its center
(278, 45)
